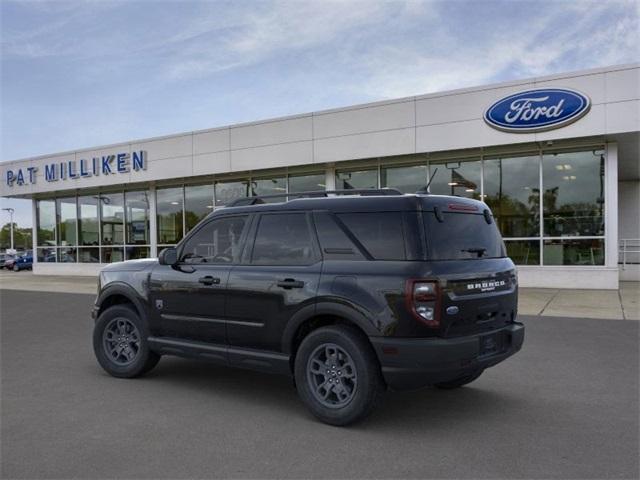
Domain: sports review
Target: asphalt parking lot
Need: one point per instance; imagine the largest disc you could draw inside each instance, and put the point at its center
(565, 407)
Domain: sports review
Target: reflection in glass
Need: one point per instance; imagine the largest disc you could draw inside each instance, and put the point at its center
(226, 192)
(456, 178)
(47, 254)
(67, 255)
(46, 216)
(112, 218)
(137, 217)
(88, 220)
(360, 179)
(406, 179)
(573, 198)
(89, 255)
(307, 183)
(269, 186)
(512, 191)
(137, 252)
(523, 252)
(198, 203)
(111, 254)
(66, 208)
(574, 252)
(169, 207)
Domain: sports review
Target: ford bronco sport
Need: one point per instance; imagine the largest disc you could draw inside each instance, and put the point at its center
(348, 294)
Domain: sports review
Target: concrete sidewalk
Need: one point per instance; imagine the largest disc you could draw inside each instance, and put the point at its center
(620, 304)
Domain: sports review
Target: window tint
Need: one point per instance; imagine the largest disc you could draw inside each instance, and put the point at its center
(336, 245)
(379, 232)
(216, 242)
(283, 240)
(462, 236)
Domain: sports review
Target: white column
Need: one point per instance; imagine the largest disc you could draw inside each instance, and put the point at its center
(611, 205)
(153, 226)
(330, 177)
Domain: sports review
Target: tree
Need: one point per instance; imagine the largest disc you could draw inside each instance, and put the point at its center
(22, 237)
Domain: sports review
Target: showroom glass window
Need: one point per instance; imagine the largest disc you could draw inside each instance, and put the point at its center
(512, 191)
(46, 217)
(198, 203)
(306, 183)
(459, 178)
(137, 224)
(88, 228)
(406, 179)
(357, 179)
(67, 212)
(169, 203)
(269, 186)
(112, 218)
(226, 192)
(573, 207)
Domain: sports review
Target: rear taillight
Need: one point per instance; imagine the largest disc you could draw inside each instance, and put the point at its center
(423, 300)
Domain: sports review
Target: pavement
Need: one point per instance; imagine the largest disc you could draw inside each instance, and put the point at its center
(566, 406)
(622, 304)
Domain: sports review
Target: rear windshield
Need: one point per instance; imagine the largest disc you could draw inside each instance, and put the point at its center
(462, 236)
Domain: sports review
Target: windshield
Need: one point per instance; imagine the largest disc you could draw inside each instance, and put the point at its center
(462, 236)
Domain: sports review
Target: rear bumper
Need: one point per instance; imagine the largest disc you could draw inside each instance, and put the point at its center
(409, 363)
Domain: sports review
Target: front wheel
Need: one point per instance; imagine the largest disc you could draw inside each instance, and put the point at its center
(459, 382)
(16, 268)
(120, 343)
(337, 375)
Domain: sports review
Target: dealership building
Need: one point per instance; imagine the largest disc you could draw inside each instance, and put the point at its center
(556, 158)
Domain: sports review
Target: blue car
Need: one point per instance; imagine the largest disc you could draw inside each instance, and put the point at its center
(23, 262)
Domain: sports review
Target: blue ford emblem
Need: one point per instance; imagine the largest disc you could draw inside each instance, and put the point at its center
(537, 110)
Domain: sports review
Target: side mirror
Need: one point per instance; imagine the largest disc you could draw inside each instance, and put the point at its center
(168, 256)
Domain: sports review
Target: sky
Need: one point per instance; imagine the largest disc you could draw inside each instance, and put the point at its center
(87, 73)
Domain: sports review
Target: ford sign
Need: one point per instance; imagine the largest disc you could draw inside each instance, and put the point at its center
(537, 110)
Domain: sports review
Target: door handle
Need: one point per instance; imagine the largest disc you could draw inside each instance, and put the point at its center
(288, 283)
(209, 280)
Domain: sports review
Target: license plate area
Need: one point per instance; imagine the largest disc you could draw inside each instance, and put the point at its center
(492, 344)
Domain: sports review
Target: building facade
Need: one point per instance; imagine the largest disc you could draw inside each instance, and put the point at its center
(556, 158)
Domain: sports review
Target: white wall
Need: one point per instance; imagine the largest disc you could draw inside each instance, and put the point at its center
(629, 226)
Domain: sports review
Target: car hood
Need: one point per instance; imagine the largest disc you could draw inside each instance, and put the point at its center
(131, 265)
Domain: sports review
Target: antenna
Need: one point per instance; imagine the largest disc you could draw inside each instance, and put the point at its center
(425, 189)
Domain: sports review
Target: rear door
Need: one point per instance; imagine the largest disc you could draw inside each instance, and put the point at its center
(278, 276)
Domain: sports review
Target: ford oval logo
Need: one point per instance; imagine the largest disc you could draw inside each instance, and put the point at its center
(537, 110)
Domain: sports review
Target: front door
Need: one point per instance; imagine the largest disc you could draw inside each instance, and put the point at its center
(188, 299)
(278, 277)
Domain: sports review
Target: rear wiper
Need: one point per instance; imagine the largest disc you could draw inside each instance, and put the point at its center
(479, 251)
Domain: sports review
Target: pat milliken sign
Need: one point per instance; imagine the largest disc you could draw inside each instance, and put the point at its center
(104, 165)
(537, 110)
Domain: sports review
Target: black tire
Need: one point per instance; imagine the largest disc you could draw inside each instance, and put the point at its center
(362, 383)
(459, 382)
(135, 358)
(16, 268)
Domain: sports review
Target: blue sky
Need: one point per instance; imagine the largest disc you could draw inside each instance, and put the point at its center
(79, 74)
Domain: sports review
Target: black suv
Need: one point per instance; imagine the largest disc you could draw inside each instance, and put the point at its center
(349, 294)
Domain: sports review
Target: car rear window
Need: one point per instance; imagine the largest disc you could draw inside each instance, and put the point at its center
(462, 236)
(380, 233)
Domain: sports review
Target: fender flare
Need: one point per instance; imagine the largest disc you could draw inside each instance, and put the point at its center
(341, 310)
(125, 290)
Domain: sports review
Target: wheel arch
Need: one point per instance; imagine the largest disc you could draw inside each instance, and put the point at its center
(119, 294)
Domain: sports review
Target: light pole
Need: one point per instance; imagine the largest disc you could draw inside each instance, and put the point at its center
(10, 210)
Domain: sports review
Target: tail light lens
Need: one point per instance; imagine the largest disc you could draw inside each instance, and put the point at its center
(423, 300)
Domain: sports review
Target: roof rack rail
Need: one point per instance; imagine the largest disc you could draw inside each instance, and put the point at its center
(259, 199)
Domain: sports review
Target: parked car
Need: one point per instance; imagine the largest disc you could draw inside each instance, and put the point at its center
(3, 258)
(8, 262)
(23, 262)
(349, 295)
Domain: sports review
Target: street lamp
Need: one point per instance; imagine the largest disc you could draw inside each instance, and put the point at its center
(10, 210)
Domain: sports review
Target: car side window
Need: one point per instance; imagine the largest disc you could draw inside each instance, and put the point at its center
(216, 242)
(283, 239)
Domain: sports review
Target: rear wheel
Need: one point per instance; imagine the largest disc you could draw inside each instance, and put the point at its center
(459, 382)
(16, 268)
(337, 375)
(120, 343)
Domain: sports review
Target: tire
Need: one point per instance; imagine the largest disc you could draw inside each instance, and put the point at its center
(459, 382)
(348, 357)
(16, 268)
(131, 358)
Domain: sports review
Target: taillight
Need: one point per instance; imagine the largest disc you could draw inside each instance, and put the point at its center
(423, 300)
